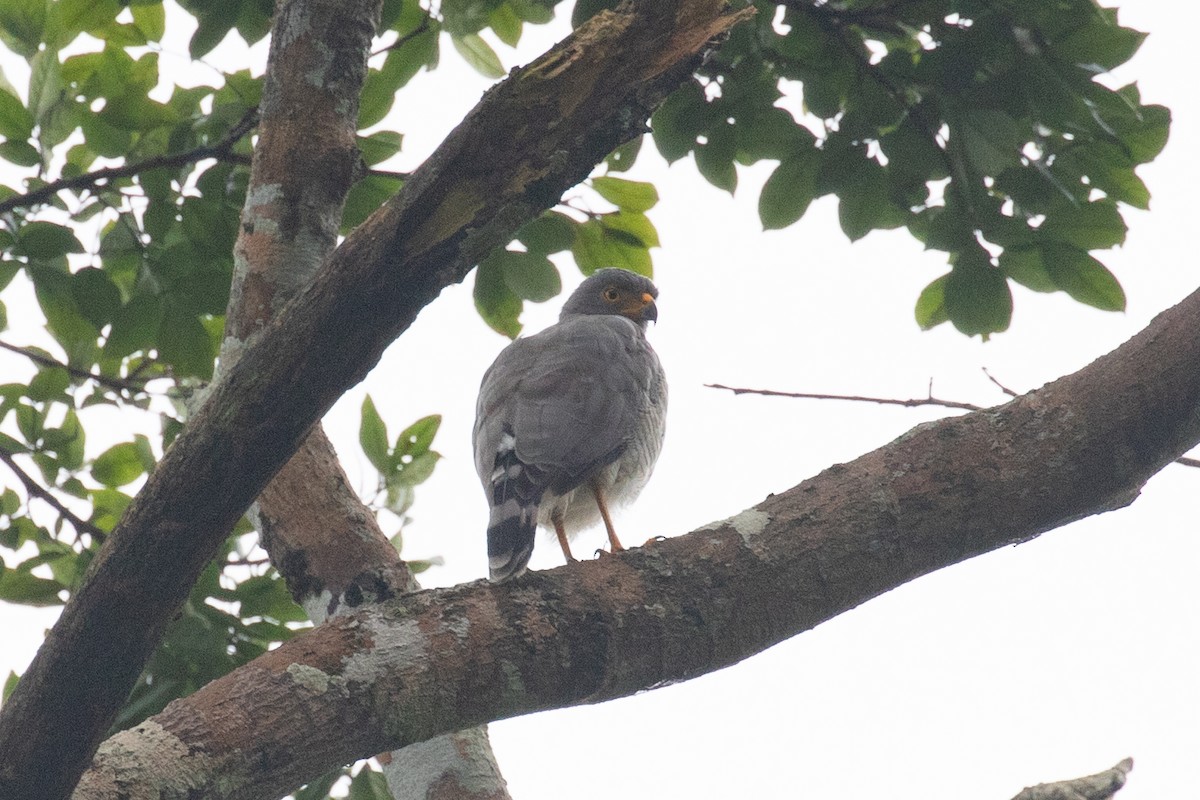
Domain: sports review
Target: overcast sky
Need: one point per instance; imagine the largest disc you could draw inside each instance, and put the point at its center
(1042, 662)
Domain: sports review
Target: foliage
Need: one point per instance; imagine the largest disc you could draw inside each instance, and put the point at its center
(980, 127)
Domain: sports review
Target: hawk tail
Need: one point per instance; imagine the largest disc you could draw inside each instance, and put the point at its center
(510, 542)
(512, 527)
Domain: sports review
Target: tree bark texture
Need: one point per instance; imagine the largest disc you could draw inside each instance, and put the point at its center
(1101, 786)
(531, 137)
(440, 660)
(319, 535)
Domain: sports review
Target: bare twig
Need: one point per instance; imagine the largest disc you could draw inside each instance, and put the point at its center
(35, 489)
(892, 401)
(886, 401)
(998, 384)
(46, 361)
(219, 150)
(1101, 786)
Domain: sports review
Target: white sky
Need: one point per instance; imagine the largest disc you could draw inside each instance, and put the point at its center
(1042, 662)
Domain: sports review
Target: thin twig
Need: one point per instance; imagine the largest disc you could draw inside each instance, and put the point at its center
(892, 401)
(35, 489)
(219, 150)
(886, 401)
(408, 37)
(46, 361)
(999, 385)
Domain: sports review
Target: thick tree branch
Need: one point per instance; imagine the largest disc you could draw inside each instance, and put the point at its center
(440, 660)
(218, 150)
(529, 139)
(1101, 786)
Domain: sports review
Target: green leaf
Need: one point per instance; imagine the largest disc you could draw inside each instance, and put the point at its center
(1092, 226)
(865, 204)
(506, 24)
(365, 197)
(1025, 266)
(48, 384)
(931, 304)
(417, 470)
(416, 438)
(21, 153)
(267, 596)
(10, 684)
(977, 297)
(369, 785)
(97, 296)
(990, 140)
(678, 121)
(495, 302)
(319, 789)
(45, 240)
(623, 158)
(372, 436)
(789, 190)
(134, 326)
(714, 158)
(55, 295)
(631, 229)
(1099, 45)
(150, 19)
(479, 54)
(19, 586)
(1083, 277)
(380, 146)
(184, 343)
(597, 245)
(118, 465)
(530, 276)
(212, 27)
(627, 195)
(15, 120)
(21, 25)
(552, 232)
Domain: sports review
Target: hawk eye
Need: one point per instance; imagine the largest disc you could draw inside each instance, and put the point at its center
(611, 294)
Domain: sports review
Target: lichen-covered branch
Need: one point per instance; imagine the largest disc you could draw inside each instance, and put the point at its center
(1101, 786)
(436, 661)
(530, 138)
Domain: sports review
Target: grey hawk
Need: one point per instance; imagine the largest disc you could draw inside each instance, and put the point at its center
(570, 421)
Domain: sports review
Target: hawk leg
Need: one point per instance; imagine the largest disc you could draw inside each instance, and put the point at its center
(561, 532)
(608, 523)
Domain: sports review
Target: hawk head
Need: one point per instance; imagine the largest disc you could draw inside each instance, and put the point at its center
(614, 291)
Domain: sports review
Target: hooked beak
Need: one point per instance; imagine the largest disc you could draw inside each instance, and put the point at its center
(649, 309)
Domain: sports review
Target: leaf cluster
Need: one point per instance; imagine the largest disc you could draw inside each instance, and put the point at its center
(980, 127)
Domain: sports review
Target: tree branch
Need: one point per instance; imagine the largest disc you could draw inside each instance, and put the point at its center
(46, 361)
(35, 489)
(530, 138)
(437, 661)
(219, 150)
(1101, 786)
(929, 400)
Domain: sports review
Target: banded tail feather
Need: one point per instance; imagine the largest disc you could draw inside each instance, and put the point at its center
(517, 490)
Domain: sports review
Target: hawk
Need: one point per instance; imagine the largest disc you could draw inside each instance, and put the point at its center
(570, 421)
